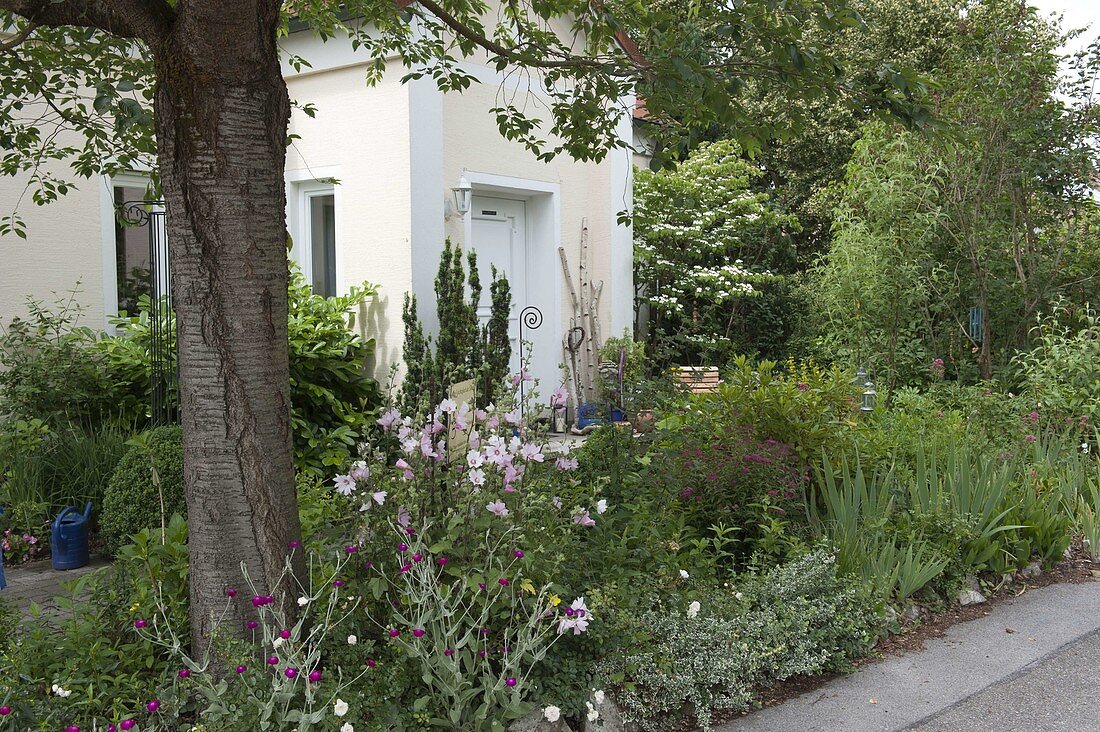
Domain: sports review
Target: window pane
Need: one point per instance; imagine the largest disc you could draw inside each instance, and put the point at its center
(131, 254)
(322, 213)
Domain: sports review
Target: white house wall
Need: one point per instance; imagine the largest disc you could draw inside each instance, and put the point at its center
(595, 192)
(62, 248)
(360, 137)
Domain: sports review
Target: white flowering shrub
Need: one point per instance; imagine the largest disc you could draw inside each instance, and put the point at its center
(715, 654)
(703, 241)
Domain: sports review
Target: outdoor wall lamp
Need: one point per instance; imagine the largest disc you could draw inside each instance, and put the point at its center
(464, 194)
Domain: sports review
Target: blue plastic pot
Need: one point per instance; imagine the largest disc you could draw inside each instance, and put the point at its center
(587, 415)
(69, 538)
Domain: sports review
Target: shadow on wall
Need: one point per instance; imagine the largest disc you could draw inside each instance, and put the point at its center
(374, 324)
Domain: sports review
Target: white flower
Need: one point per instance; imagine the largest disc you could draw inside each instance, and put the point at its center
(61, 692)
(447, 406)
(347, 727)
(353, 639)
(340, 708)
(303, 601)
(552, 713)
(593, 714)
(684, 574)
(1085, 448)
(739, 596)
(345, 484)
(598, 696)
(476, 477)
(277, 642)
(693, 608)
(601, 506)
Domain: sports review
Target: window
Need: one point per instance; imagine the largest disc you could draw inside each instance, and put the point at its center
(312, 220)
(322, 242)
(133, 253)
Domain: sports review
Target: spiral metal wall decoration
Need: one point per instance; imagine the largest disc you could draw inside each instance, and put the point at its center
(530, 318)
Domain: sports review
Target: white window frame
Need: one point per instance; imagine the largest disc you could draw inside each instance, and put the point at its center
(107, 233)
(302, 186)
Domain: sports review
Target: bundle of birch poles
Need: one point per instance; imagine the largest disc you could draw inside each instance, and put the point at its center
(582, 341)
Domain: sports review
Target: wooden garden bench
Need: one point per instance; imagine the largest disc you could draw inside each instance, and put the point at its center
(699, 379)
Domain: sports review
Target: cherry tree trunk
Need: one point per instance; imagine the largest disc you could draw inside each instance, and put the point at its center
(221, 116)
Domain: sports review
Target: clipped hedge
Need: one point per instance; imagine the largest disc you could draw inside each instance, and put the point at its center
(132, 502)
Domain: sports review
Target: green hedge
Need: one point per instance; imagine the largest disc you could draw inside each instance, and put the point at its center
(132, 502)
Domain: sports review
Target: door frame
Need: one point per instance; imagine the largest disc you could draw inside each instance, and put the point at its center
(543, 236)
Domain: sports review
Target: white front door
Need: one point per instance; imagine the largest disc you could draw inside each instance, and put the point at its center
(500, 240)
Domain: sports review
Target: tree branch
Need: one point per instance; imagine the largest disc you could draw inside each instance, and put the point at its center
(147, 20)
(575, 62)
(14, 42)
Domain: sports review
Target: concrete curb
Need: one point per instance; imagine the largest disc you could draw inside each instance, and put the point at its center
(900, 693)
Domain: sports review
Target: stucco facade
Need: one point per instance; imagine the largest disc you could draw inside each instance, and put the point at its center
(388, 155)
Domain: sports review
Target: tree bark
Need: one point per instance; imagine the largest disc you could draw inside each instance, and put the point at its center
(222, 111)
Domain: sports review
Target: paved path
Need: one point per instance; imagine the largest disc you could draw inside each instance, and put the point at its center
(1041, 677)
(39, 582)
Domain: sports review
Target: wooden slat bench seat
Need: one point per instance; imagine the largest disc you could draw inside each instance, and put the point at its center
(699, 379)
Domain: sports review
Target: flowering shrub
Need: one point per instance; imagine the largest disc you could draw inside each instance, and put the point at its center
(460, 517)
(20, 547)
(734, 480)
(702, 247)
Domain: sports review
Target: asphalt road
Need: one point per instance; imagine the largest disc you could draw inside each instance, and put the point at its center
(1057, 694)
(1043, 676)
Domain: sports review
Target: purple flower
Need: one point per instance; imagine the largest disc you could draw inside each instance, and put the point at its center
(502, 582)
(338, 583)
(314, 676)
(230, 592)
(241, 669)
(252, 624)
(442, 561)
(183, 673)
(141, 623)
(510, 681)
(1030, 438)
(481, 585)
(418, 632)
(5, 711)
(153, 705)
(284, 634)
(402, 547)
(394, 632)
(449, 652)
(351, 549)
(291, 673)
(371, 663)
(417, 557)
(410, 531)
(405, 568)
(517, 554)
(272, 661)
(127, 724)
(497, 508)
(294, 544)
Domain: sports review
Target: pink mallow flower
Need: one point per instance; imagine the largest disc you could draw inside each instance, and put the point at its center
(389, 419)
(497, 508)
(584, 519)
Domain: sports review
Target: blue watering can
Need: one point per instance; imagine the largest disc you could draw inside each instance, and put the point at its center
(69, 538)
